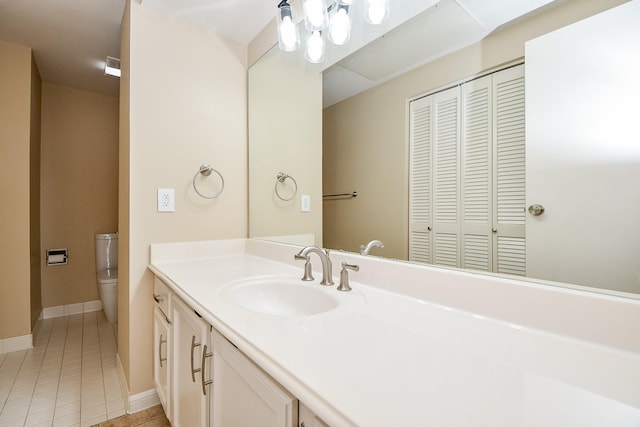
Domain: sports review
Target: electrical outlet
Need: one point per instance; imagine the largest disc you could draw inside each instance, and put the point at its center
(166, 200)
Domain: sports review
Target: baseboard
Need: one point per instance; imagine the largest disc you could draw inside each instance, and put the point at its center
(123, 382)
(23, 342)
(141, 401)
(136, 402)
(68, 309)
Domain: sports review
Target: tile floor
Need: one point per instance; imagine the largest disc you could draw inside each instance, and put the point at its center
(67, 379)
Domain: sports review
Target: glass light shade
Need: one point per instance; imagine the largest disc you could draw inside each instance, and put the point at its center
(340, 26)
(376, 11)
(288, 35)
(314, 51)
(315, 15)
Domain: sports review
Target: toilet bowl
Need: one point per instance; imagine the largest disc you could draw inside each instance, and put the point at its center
(107, 273)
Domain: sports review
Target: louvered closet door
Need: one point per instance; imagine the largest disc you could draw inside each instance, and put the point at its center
(476, 184)
(509, 171)
(446, 178)
(421, 136)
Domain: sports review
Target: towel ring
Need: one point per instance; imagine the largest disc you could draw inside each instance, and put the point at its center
(281, 177)
(206, 170)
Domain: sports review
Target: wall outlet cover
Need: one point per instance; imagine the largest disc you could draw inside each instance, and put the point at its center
(166, 200)
(305, 203)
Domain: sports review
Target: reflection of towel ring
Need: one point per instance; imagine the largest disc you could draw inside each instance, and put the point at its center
(205, 170)
(281, 177)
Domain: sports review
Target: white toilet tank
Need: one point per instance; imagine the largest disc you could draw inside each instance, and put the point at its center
(107, 273)
(106, 251)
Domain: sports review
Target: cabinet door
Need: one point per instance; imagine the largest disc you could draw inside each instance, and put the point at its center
(191, 338)
(162, 359)
(308, 419)
(243, 395)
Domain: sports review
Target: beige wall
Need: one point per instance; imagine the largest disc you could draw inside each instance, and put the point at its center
(189, 111)
(34, 195)
(285, 131)
(365, 137)
(15, 150)
(79, 187)
(124, 195)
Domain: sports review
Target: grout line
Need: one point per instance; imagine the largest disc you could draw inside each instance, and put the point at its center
(58, 342)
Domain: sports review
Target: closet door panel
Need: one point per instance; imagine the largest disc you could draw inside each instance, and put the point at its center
(421, 137)
(509, 171)
(476, 184)
(446, 176)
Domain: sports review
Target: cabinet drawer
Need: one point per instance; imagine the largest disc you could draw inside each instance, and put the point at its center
(162, 296)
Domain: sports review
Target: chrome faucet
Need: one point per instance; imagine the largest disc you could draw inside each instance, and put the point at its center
(327, 278)
(365, 250)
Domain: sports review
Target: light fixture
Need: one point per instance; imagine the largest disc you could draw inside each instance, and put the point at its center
(112, 67)
(376, 11)
(340, 25)
(288, 35)
(315, 15)
(320, 16)
(314, 51)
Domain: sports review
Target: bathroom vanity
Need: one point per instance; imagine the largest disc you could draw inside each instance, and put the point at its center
(237, 328)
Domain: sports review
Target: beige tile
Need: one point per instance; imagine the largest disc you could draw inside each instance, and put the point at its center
(67, 420)
(69, 408)
(93, 421)
(93, 412)
(34, 418)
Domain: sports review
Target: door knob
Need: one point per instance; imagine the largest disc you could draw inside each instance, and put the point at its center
(536, 209)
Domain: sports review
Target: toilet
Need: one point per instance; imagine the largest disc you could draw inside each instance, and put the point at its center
(107, 273)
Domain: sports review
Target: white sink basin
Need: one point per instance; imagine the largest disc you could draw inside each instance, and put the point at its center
(282, 296)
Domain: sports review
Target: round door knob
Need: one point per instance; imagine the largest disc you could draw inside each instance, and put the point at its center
(429, 228)
(494, 229)
(536, 209)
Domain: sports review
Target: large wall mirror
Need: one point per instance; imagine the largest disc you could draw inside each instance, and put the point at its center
(343, 127)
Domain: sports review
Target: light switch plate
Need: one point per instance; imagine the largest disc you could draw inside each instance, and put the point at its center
(305, 203)
(166, 200)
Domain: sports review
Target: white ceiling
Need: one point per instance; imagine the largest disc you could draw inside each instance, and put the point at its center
(72, 38)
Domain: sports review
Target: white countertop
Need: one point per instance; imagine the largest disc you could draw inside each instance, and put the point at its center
(391, 359)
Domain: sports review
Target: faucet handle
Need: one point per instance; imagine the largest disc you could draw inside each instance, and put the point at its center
(344, 276)
(307, 276)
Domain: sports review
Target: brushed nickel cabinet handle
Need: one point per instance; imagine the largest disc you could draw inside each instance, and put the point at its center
(205, 355)
(194, 344)
(160, 358)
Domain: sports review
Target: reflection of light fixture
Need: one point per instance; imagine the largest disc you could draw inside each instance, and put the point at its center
(288, 36)
(376, 11)
(314, 52)
(320, 15)
(112, 67)
(315, 15)
(340, 25)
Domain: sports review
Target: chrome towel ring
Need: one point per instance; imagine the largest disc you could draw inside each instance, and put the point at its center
(206, 170)
(280, 178)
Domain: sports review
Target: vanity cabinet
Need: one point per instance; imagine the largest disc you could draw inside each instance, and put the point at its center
(203, 380)
(191, 367)
(306, 418)
(162, 359)
(162, 344)
(244, 395)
